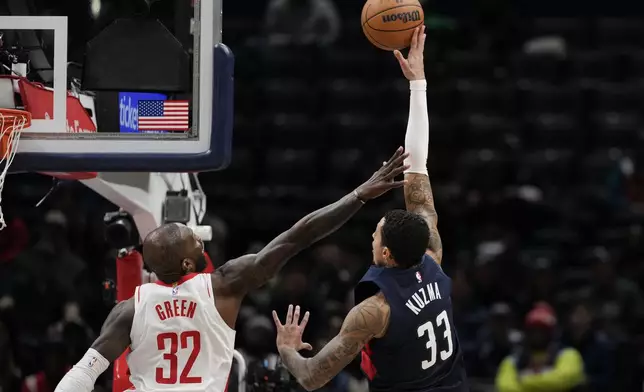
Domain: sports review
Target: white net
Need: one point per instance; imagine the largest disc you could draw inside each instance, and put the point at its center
(11, 126)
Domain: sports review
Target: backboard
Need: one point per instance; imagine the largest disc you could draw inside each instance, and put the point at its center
(118, 85)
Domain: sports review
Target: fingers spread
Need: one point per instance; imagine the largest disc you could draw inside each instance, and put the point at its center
(397, 154)
(423, 36)
(398, 171)
(396, 184)
(399, 56)
(414, 38)
(289, 315)
(404, 64)
(305, 320)
(397, 162)
(296, 315)
(276, 318)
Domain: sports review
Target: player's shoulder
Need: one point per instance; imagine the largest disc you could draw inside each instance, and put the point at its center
(225, 278)
(233, 265)
(431, 257)
(123, 312)
(372, 314)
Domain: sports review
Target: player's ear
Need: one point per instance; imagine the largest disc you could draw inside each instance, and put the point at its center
(188, 266)
(386, 255)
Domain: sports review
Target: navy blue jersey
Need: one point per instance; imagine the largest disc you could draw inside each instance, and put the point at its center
(420, 351)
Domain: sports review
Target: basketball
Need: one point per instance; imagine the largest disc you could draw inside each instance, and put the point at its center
(390, 24)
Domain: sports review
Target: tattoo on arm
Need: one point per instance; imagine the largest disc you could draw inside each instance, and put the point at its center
(366, 321)
(115, 333)
(252, 271)
(419, 199)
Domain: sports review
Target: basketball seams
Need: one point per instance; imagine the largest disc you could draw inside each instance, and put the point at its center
(397, 15)
(366, 32)
(396, 31)
(365, 12)
(376, 42)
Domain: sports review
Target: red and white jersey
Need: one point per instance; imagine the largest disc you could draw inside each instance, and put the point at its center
(179, 340)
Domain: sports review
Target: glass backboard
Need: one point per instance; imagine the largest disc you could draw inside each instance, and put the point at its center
(118, 85)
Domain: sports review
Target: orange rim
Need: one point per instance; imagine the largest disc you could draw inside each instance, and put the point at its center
(8, 119)
(11, 116)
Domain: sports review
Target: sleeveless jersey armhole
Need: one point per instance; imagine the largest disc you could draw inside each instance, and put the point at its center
(439, 265)
(211, 297)
(208, 286)
(136, 330)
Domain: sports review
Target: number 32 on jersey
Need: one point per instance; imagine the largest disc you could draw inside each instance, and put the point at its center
(170, 343)
(432, 345)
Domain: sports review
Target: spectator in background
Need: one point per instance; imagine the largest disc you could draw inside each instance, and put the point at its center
(469, 316)
(596, 349)
(541, 364)
(497, 340)
(55, 367)
(619, 301)
(47, 275)
(72, 330)
(258, 334)
(296, 288)
(9, 375)
(13, 239)
(302, 22)
(335, 271)
(541, 285)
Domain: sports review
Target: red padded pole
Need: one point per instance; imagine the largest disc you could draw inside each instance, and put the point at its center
(210, 268)
(128, 277)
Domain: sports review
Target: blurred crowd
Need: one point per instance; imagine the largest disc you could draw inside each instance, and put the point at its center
(536, 163)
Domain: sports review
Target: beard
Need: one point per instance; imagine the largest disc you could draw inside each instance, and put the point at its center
(201, 263)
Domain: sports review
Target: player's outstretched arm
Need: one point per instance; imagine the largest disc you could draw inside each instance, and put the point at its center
(418, 190)
(113, 341)
(237, 277)
(365, 321)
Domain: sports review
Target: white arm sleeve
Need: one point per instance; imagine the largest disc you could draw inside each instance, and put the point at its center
(84, 374)
(417, 136)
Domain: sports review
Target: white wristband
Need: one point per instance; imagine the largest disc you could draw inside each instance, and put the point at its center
(418, 85)
(83, 375)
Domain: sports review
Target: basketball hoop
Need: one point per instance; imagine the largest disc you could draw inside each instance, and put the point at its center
(12, 122)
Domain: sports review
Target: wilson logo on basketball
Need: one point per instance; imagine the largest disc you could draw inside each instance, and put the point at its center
(404, 17)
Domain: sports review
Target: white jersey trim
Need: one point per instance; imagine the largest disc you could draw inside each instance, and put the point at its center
(211, 291)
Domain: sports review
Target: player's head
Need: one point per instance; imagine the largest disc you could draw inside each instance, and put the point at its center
(400, 239)
(173, 250)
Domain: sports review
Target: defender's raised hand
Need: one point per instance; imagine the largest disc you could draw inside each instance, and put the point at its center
(289, 335)
(413, 66)
(383, 180)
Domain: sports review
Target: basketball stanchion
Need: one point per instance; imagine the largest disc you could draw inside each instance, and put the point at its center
(129, 265)
(12, 123)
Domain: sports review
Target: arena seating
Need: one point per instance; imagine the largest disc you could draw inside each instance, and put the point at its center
(316, 117)
(536, 144)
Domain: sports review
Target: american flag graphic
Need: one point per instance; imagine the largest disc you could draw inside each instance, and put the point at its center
(159, 115)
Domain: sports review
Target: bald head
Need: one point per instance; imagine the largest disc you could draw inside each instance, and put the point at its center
(173, 250)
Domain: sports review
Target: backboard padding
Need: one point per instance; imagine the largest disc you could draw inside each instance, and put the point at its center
(7, 97)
